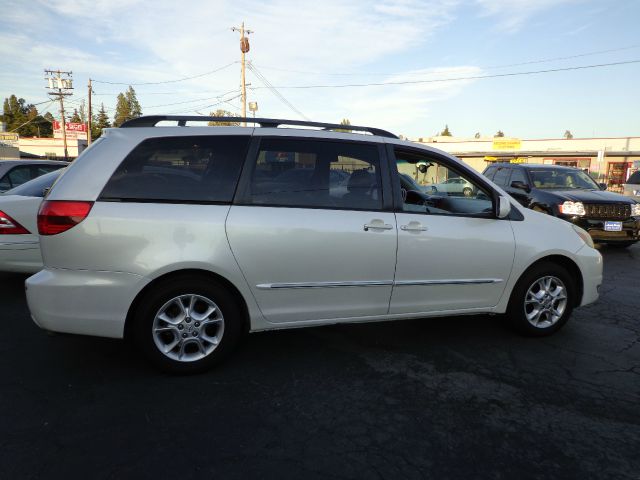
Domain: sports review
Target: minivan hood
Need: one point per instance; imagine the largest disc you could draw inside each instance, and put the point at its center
(589, 196)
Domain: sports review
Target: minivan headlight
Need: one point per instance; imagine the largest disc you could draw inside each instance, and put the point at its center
(584, 235)
(635, 209)
(572, 208)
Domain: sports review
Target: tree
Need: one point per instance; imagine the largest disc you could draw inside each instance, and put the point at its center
(75, 118)
(568, 135)
(223, 113)
(23, 118)
(344, 121)
(446, 132)
(500, 133)
(82, 112)
(100, 122)
(127, 107)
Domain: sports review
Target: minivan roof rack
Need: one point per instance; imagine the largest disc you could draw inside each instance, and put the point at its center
(152, 120)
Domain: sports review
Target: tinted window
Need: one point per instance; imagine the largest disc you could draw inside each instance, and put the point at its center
(180, 169)
(36, 187)
(634, 178)
(555, 178)
(311, 173)
(490, 172)
(42, 169)
(19, 175)
(502, 176)
(518, 175)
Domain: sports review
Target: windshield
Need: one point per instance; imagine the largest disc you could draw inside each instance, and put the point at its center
(37, 186)
(562, 179)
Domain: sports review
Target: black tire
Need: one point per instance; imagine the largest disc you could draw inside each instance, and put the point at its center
(163, 296)
(517, 310)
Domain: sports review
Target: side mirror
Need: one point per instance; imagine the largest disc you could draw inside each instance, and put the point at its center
(503, 207)
(422, 168)
(520, 185)
(603, 186)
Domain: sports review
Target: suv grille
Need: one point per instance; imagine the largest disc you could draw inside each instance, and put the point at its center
(608, 210)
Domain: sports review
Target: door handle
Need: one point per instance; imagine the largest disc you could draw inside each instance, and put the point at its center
(413, 227)
(377, 226)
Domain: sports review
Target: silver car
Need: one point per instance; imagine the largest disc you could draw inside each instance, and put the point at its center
(16, 172)
(186, 237)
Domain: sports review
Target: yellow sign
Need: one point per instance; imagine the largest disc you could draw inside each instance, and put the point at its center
(500, 143)
(8, 137)
(518, 160)
(491, 159)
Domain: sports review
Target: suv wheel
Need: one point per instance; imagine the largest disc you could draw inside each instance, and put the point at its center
(542, 300)
(187, 325)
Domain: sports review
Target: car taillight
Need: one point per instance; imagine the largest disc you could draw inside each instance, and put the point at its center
(57, 216)
(8, 226)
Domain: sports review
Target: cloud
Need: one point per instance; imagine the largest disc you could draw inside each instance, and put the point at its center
(512, 15)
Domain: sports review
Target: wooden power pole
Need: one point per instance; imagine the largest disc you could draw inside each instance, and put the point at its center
(60, 84)
(244, 48)
(89, 118)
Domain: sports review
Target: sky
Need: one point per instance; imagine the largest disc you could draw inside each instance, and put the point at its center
(441, 46)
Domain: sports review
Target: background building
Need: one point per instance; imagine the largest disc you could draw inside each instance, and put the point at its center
(610, 160)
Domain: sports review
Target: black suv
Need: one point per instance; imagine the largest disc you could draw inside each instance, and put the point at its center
(571, 194)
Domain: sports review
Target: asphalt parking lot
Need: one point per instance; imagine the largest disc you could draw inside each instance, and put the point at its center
(444, 398)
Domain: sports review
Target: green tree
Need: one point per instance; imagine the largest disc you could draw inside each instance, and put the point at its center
(23, 118)
(75, 118)
(82, 112)
(223, 113)
(100, 122)
(127, 107)
(134, 105)
(446, 132)
(499, 133)
(344, 121)
(568, 135)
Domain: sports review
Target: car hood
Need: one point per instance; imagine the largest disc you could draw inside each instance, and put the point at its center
(589, 196)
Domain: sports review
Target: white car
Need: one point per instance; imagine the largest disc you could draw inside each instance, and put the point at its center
(19, 244)
(452, 186)
(185, 264)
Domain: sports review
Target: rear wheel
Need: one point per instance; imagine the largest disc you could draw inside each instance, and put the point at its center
(542, 300)
(187, 325)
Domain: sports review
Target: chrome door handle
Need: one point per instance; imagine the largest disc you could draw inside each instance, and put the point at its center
(377, 226)
(413, 227)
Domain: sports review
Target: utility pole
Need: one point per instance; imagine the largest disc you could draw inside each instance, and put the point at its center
(244, 48)
(89, 118)
(60, 84)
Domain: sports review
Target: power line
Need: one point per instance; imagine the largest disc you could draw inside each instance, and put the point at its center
(51, 102)
(492, 67)
(167, 81)
(191, 101)
(453, 79)
(200, 107)
(273, 90)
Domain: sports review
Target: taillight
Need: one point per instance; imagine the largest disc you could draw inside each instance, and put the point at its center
(8, 226)
(57, 216)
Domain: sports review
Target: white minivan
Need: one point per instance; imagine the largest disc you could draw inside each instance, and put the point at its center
(185, 237)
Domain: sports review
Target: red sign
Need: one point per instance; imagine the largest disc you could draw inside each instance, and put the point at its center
(70, 127)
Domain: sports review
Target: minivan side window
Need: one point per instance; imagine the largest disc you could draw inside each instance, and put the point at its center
(317, 174)
(430, 186)
(180, 169)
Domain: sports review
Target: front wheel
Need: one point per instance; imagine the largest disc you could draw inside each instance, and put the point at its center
(187, 325)
(542, 300)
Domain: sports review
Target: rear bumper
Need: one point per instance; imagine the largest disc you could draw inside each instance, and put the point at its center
(82, 302)
(590, 263)
(22, 257)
